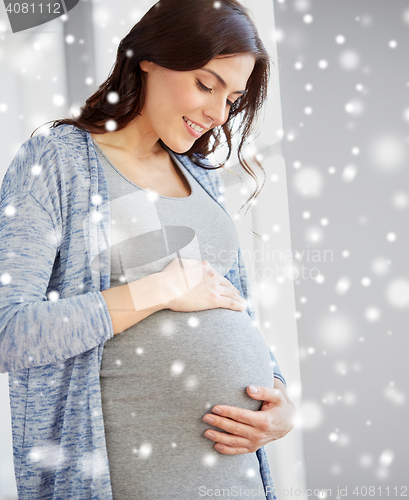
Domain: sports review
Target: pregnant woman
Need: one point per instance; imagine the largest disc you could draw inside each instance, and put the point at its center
(126, 323)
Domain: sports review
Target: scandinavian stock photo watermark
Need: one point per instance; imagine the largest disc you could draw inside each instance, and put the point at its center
(321, 493)
(268, 263)
(260, 492)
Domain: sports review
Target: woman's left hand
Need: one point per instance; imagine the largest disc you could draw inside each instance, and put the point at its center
(250, 430)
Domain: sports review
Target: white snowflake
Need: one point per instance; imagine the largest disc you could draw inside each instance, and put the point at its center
(302, 5)
(380, 266)
(47, 455)
(394, 395)
(5, 279)
(113, 97)
(96, 216)
(349, 60)
(36, 169)
(309, 182)
(349, 173)
(314, 234)
(372, 314)
(355, 107)
(365, 460)
(96, 199)
(400, 200)
(387, 152)
(191, 382)
(210, 459)
(53, 296)
(386, 458)
(397, 293)
(310, 415)
(10, 210)
(145, 450)
(58, 100)
(111, 125)
(333, 437)
(336, 331)
(177, 368)
(193, 321)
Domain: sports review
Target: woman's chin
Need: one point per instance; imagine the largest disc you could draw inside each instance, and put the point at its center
(179, 147)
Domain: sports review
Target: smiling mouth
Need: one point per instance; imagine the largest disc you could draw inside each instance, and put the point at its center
(193, 126)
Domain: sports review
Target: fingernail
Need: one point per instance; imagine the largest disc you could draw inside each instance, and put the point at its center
(253, 389)
(210, 434)
(217, 410)
(208, 419)
(219, 447)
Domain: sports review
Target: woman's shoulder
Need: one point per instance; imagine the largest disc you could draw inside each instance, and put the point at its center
(61, 134)
(45, 159)
(63, 139)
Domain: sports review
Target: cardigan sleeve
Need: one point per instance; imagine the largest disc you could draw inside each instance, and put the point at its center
(36, 329)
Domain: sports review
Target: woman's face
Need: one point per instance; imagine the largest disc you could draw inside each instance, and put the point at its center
(202, 96)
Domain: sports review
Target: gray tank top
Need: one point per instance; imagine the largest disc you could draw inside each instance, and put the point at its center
(162, 375)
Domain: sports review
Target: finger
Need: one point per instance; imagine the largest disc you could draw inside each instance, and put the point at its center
(248, 417)
(228, 439)
(228, 450)
(231, 303)
(227, 284)
(266, 394)
(230, 426)
(231, 292)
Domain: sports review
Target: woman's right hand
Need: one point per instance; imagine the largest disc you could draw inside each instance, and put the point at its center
(198, 286)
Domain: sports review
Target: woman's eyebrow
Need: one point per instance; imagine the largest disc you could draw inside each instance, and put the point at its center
(224, 84)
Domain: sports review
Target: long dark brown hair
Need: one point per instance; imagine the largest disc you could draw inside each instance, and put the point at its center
(184, 35)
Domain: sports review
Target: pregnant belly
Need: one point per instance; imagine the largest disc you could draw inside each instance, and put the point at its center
(195, 359)
(159, 378)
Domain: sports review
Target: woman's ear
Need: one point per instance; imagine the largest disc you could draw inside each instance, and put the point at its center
(145, 66)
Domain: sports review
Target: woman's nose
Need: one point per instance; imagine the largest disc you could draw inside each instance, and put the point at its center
(218, 112)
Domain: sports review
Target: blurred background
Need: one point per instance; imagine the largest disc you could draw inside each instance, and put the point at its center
(345, 98)
(328, 277)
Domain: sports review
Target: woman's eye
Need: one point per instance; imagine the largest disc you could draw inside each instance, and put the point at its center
(206, 89)
(203, 87)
